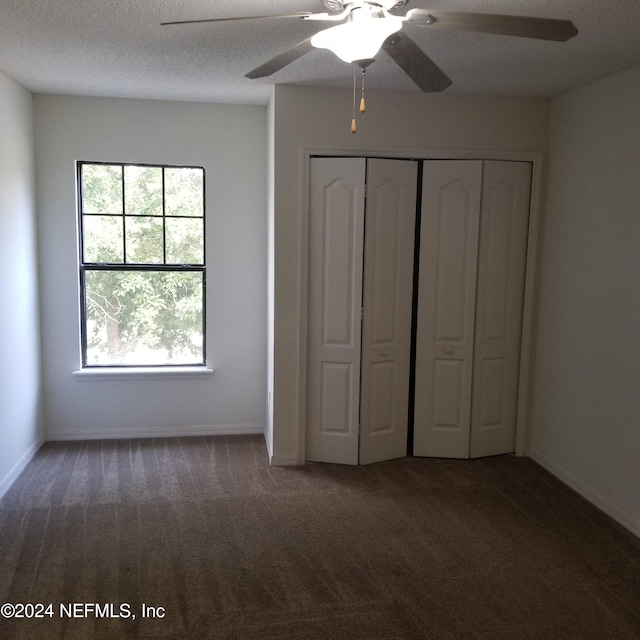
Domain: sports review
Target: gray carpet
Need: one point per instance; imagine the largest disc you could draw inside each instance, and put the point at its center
(232, 548)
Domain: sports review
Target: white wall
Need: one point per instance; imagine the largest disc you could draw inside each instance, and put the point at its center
(231, 143)
(585, 412)
(20, 396)
(320, 119)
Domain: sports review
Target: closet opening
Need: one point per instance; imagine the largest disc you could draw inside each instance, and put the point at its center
(417, 296)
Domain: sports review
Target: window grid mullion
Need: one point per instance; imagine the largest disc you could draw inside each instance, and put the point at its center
(164, 219)
(124, 217)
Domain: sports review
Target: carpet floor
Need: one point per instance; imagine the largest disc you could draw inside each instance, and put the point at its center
(194, 538)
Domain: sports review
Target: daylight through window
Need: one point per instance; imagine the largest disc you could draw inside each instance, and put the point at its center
(142, 264)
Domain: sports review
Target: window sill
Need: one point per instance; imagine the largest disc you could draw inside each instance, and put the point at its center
(141, 373)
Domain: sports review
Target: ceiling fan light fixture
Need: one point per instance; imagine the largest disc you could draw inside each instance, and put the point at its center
(357, 39)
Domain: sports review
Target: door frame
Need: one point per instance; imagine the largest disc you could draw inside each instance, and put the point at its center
(536, 160)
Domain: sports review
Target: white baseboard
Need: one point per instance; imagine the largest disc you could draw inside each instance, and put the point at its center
(156, 432)
(18, 468)
(593, 496)
(284, 461)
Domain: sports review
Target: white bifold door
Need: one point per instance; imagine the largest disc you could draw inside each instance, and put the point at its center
(473, 247)
(472, 251)
(361, 247)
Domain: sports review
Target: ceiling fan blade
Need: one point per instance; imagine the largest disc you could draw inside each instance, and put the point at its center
(282, 60)
(540, 28)
(302, 15)
(416, 63)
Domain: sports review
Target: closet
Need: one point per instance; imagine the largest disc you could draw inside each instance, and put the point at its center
(473, 249)
(359, 308)
(464, 350)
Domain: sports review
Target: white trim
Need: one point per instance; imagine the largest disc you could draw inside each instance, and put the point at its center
(290, 460)
(303, 303)
(170, 431)
(535, 157)
(268, 440)
(421, 154)
(19, 467)
(593, 496)
(526, 337)
(141, 373)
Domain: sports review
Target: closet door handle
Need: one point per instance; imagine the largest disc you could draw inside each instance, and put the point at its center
(448, 350)
(384, 353)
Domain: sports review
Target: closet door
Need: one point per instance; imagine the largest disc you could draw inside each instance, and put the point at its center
(387, 304)
(451, 195)
(504, 225)
(336, 228)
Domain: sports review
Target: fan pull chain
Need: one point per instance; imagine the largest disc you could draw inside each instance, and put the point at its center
(362, 65)
(354, 128)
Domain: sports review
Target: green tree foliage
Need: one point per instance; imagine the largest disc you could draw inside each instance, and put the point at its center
(151, 216)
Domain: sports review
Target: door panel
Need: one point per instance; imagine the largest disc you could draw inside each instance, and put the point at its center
(387, 304)
(500, 293)
(451, 195)
(381, 381)
(447, 388)
(336, 226)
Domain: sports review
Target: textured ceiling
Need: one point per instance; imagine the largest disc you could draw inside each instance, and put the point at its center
(118, 48)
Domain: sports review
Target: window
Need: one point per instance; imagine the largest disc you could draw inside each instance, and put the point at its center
(142, 264)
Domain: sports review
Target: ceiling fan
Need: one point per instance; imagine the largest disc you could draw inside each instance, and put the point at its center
(363, 27)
